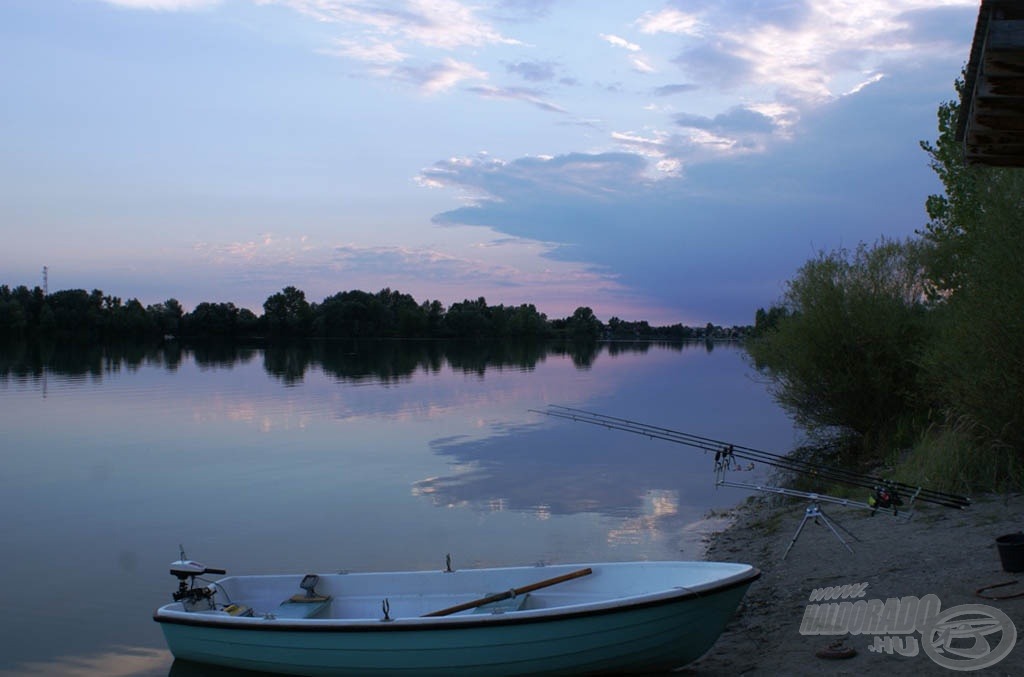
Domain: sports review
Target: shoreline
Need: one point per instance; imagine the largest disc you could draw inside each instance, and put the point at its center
(940, 551)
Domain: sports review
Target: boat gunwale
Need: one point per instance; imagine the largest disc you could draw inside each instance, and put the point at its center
(423, 624)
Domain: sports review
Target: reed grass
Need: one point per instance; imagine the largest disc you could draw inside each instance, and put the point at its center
(951, 458)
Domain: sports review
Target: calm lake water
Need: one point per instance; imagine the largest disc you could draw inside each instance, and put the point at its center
(354, 457)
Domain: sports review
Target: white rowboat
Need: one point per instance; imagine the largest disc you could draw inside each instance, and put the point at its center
(556, 619)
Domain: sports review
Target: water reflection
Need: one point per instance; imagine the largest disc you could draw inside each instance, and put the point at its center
(118, 662)
(328, 456)
(568, 469)
(384, 361)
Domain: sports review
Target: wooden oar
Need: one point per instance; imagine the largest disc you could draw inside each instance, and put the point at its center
(514, 592)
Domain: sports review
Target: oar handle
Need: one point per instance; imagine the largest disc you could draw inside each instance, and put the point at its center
(514, 592)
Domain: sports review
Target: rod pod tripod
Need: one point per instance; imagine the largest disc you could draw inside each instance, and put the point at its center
(814, 511)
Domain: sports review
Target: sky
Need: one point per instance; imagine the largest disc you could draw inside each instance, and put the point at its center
(661, 161)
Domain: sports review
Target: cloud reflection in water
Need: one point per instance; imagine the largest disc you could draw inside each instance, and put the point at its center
(119, 662)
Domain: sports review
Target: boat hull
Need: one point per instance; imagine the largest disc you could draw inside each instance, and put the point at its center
(650, 634)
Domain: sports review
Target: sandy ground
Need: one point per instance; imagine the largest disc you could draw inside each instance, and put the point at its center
(941, 551)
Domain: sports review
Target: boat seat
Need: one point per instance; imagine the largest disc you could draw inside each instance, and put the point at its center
(503, 605)
(303, 606)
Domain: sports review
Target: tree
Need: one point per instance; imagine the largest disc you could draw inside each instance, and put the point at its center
(78, 313)
(212, 320)
(287, 312)
(976, 243)
(843, 356)
(952, 229)
(766, 321)
(583, 325)
(166, 316)
(433, 313)
(469, 319)
(352, 314)
(13, 320)
(976, 233)
(404, 317)
(129, 321)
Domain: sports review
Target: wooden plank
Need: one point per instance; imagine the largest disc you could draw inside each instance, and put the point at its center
(1000, 86)
(995, 161)
(1001, 123)
(989, 149)
(511, 593)
(1002, 63)
(994, 138)
(1004, 35)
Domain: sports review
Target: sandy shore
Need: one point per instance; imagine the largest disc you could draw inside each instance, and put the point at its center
(940, 551)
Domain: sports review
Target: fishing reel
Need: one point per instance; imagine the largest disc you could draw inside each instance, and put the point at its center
(188, 594)
(725, 459)
(885, 497)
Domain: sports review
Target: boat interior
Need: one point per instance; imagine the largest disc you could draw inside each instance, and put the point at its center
(471, 592)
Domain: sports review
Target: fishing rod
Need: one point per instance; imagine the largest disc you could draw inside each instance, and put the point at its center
(749, 453)
(887, 493)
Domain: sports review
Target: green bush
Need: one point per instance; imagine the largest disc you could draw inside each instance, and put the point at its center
(844, 355)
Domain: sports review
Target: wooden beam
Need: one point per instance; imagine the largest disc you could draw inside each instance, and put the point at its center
(1000, 86)
(995, 160)
(997, 150)
(1004, 35)
(1002, 63)
(1001, 123)
(994, 138)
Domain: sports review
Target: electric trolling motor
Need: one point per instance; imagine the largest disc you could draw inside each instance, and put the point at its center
(191, 597)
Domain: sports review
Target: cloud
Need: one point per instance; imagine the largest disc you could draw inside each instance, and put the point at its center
(371, 52)
(936, 24)
(810, 52)
(437, 77)
(638, 62)
(669, 90)
(427, 263)
(714, 62)
(655, 145)
(672, 152)
(499, 266)
(439, 24)
(395, 39)
(700, 138)
(510, 270)
(670, 21)
(518, 11)
(534, 71)
(640, 65)
(266, 247)
(620, 42)
(475, 259)
(531, 96)
(717, 241)
(571, 177)
(164, 5)
(737, 119)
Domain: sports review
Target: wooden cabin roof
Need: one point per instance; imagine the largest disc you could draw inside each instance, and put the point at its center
(991, 123)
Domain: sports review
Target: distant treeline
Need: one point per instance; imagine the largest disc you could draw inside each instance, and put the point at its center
(78, 314)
